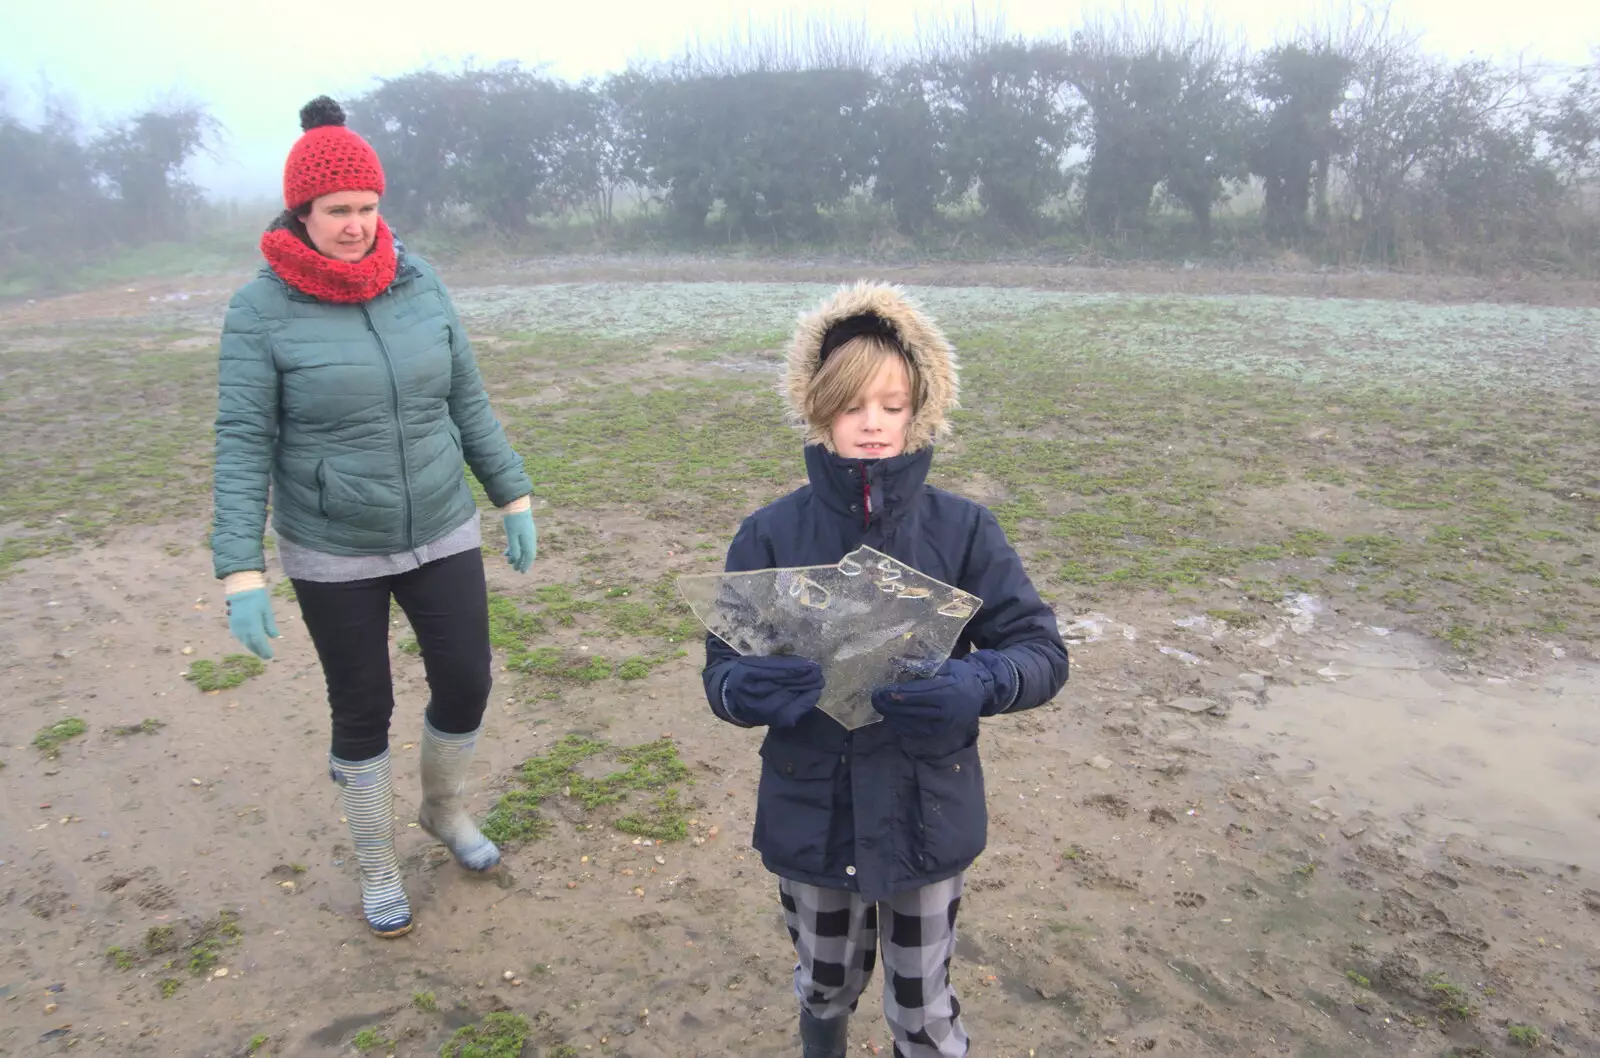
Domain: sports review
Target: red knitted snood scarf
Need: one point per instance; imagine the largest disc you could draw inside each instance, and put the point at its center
(327, 279)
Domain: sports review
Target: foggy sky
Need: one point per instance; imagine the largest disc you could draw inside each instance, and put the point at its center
(255, 69)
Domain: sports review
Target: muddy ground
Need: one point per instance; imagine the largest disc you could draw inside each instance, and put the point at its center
(1320, 784)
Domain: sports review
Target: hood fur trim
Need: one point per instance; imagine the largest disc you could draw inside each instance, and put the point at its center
(919, 336)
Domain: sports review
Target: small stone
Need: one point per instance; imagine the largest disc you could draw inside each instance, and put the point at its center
(194, 782)
(1252, 682)
(583, 859)
(223, 972)
(508, 975)
(1099, 763)
(661, 860)
(50, 1008)
(286, 885)
(714, 831)
(516, 982)
(572, 885)
(637, 891)
(187, 650)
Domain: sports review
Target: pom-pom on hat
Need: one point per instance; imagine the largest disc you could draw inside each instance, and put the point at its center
(328, 157)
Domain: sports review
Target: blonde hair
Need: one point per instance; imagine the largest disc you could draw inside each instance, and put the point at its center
(848, 371)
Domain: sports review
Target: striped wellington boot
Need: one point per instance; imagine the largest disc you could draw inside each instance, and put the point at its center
(368, 791)
(445, 760)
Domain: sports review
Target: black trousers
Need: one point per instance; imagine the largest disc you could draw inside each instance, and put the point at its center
(447, 603)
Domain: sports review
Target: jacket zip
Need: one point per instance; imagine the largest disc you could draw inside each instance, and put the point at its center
(399, 424)
(866, 498)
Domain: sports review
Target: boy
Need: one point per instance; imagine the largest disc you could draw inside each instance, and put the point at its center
(869, 831)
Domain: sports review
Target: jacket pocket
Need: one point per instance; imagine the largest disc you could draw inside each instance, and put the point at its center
(795, 805)
(954, 818)
(322, 487)
(337, 499)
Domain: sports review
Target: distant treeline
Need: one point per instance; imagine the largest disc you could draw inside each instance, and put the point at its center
(1346, 144)
(67, 196)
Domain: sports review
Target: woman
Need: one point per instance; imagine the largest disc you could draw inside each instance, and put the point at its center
(347, 381)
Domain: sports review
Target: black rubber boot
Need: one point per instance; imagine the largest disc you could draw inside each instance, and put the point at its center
(823, 1039)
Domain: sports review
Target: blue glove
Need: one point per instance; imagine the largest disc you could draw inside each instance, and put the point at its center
(522, 541)
(963, 689)
(777, 691)
(250, 621)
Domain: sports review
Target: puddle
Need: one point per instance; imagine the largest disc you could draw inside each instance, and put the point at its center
(1504, 761)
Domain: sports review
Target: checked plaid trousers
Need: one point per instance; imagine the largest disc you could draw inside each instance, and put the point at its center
(837, 935)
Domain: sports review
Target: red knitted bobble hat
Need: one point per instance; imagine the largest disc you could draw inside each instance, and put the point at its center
(328, 157)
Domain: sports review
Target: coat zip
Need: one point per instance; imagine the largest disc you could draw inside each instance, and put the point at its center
(866, 498)
(399, 423)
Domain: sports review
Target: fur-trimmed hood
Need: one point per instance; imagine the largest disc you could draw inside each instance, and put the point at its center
(917, 334)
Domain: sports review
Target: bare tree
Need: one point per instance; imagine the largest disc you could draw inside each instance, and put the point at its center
(1168, 103)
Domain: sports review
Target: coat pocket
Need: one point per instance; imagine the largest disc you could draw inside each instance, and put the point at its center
(322, 487)
(455, 441)
(795, 805)
(352, 499)
(334, 499)
(954, 824)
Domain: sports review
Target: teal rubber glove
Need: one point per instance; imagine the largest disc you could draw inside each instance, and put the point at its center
(250, 621)
(522, 540)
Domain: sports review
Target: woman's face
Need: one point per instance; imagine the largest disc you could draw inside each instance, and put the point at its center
(344, 224)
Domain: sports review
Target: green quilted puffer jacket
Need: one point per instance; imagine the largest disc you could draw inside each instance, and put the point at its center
(360, 416)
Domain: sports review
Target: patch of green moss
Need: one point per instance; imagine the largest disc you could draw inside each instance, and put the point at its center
(230, 672)
(499, 1035)
(48, 741)
(651, 766)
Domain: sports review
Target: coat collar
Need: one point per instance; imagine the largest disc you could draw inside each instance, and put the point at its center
(868, 489)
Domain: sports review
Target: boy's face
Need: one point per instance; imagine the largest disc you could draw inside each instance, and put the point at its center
(874, 425)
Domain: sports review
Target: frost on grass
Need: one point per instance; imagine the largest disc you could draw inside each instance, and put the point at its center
(1309, 339)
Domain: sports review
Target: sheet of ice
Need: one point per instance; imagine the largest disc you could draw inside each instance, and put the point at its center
(868, 621)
